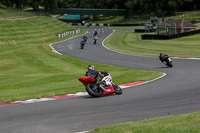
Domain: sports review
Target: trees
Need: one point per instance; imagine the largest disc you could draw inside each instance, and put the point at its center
(148, 7)
(34, 4)
(14, 3)
(157, 7)
(49, 4)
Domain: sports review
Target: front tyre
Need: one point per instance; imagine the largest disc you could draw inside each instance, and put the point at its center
(82, 46)
(117, 89)
(169, 63)
(93, 90)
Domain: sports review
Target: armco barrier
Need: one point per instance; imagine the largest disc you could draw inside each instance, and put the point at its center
(61, 35)
(166, 37)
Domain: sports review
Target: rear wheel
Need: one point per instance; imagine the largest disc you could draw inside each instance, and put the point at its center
(117, 89)
(93, 90)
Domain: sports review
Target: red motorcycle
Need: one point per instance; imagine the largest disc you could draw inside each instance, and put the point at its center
(98, 89)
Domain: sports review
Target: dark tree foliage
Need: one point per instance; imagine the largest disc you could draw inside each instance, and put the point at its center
(159, 7)
(147, 7)
(15, 3)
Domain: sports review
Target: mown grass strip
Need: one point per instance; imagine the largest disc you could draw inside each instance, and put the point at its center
(188, 123)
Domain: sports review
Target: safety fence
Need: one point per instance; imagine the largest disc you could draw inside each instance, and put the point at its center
(61, 35)
(166, 37)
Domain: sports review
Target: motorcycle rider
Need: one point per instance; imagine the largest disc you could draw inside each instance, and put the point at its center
(163, 56)
(95, 32)
(95, 74)
(91, 72)
(85, 38)
(82, 42)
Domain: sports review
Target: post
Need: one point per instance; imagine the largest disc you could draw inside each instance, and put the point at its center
(175, 27)
(22, 9)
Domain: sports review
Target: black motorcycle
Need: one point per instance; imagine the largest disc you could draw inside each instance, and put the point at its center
(165, 59)
(82, 44)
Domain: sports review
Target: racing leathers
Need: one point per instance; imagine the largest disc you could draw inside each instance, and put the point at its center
(96, 75)
(163, 57)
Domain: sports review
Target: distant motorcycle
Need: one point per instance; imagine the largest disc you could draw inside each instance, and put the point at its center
(95, 39)
(165, 59)
(100, 88)
(82, 44)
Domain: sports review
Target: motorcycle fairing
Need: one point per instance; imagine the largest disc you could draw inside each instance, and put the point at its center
(86, 80)
(110, 90)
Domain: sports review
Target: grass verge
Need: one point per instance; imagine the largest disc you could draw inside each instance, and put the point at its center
(132, 43)
(188, 123)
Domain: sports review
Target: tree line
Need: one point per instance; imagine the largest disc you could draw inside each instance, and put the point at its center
(147, 7)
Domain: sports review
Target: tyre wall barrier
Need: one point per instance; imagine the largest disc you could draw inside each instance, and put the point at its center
(61, 35)
(144, 30)
(165, 37)
(85, 24)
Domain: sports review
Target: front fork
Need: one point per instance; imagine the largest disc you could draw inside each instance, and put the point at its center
(103, 88)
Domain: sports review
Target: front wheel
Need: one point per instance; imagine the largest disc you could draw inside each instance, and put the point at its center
(117, 89)
(169, 63)
(93, 90)
(82, 46)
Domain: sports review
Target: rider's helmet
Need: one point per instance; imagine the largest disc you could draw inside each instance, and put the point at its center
(91, 67)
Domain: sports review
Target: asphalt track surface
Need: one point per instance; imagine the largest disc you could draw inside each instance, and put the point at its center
(177, 93)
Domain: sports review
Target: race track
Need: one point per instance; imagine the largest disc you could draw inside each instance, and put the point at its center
(177, 93)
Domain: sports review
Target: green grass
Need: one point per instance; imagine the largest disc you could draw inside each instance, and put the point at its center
(132, 43)
(29, 68)
(188, 123)
(6, 12)
(186, 15)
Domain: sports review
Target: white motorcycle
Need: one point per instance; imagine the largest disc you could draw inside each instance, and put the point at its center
(95, 39)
